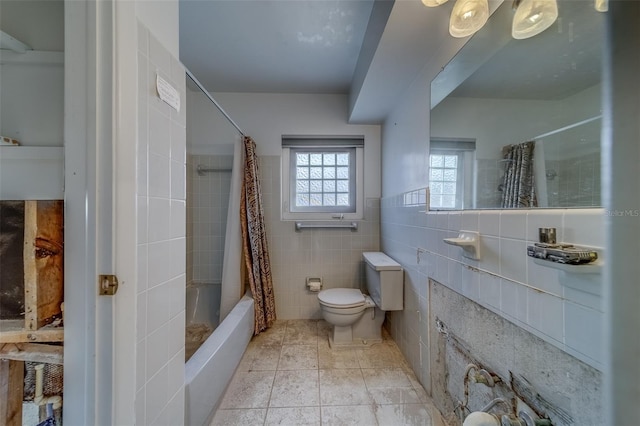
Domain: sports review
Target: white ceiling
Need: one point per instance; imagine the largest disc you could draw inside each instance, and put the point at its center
(280, 46)
(370, 50)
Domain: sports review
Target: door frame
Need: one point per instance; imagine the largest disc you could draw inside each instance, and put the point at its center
(88, 100)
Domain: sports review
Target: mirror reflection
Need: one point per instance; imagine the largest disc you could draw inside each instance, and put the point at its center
(516, 123)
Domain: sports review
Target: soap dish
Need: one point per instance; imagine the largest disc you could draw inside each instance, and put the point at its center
(469, 241)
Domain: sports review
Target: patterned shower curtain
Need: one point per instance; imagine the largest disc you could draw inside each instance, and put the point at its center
(254, 241)
(518, 189)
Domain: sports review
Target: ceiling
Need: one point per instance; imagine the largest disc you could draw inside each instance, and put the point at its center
(371, 50)
(273, 45)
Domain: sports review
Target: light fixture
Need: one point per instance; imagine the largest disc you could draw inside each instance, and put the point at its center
(468, 16)
(433, 3)
(532, 17)
(601, 5)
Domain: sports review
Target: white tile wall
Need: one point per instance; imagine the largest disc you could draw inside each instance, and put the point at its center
(335, 255)
(161, 193)
(562, 308)
(206, 217)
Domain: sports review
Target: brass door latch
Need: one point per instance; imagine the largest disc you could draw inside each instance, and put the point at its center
(107, 285)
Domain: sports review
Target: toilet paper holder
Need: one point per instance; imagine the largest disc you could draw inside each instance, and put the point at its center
(314, 284)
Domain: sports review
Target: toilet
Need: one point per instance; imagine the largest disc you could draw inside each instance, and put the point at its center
(356, 317)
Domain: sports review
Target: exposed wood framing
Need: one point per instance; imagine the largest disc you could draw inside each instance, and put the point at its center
(13, 331)
(30, 273)
(43, 276)
(32, 352)
(11, 392)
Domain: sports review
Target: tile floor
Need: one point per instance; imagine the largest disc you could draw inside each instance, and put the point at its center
(290, 376)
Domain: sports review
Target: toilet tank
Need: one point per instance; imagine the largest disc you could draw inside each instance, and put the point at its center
(385, 281)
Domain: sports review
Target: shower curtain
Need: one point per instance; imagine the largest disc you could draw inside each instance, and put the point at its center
(254, 241)
(232, 288)
(518, 189)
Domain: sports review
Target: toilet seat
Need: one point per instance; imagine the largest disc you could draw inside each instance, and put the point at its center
(341, 298)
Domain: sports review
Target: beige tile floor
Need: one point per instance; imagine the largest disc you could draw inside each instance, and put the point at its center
(290, 376)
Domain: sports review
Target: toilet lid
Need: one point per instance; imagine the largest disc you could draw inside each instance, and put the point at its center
(341, 297)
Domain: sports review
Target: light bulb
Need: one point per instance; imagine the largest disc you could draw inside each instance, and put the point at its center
(468, 16)
(532, 17)
(433, 3)
(601, 5)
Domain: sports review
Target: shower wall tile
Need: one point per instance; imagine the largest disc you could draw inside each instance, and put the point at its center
(161, 231)
(206, 210)
(549, 303)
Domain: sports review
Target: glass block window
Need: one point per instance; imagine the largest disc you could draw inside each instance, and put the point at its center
(444, 180)
(451, 172)
(323, 180)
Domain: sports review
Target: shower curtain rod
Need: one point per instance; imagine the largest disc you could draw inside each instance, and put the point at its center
(208, 95)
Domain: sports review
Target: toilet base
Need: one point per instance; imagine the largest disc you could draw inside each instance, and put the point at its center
(363, 333)
(353, 344)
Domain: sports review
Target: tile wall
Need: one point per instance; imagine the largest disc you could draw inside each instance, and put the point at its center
(576, 181)
(207, 205)
(538, 374)
(489, 179)
(161, 193)
(335, 255)
(564, 309)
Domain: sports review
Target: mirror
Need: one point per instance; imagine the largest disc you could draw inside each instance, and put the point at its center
(516, 123)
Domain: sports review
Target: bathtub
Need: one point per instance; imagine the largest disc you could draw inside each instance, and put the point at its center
(202, 314)
(209, 370)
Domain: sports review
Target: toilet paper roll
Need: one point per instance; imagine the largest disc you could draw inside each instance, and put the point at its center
(315, 286)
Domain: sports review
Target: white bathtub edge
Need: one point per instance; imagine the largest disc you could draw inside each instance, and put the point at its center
(210, 369)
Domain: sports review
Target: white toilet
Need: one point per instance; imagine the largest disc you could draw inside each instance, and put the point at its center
(357, 318)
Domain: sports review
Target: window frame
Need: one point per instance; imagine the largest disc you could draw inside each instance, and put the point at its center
(291, 145)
